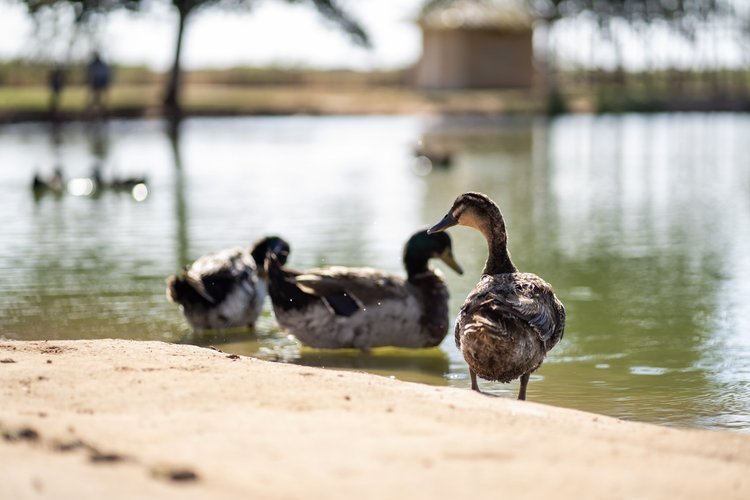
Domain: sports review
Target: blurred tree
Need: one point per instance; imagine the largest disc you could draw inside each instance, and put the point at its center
(604, 11)
(682, 15)
(83, 9)
(701, 23)
(86, 10)
(328, 8)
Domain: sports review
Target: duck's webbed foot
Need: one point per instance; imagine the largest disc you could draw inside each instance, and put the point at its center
(524, 383)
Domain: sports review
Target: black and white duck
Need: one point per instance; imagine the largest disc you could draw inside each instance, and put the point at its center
(510, 319)
(363, 308)
(225, 289)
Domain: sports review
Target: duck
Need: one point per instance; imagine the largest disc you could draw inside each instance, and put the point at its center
(362, 308)
(126, 183)
(439, 157)
(115, 183)
(227, 288)
(511, 319)
(54, 183)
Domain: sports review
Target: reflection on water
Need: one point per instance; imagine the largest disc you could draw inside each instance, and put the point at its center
(268, 342)
(639, 222)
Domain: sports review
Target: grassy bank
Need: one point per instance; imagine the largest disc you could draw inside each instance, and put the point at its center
(32, 102)
(279, 90)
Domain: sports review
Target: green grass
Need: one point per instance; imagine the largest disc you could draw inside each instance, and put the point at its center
(32, 99)
(243, 90)
(279, 99)
(74, 99)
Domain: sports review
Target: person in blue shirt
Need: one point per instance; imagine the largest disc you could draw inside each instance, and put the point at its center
(98, 78)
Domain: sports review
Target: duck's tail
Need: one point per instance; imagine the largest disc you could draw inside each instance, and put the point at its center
(177, 289)
(181, 289)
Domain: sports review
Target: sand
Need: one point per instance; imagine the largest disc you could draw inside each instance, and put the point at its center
(127, 419)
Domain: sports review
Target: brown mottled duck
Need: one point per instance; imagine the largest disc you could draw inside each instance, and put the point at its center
(510, 320)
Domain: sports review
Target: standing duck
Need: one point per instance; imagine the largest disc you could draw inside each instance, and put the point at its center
(227, 288)
(509, 320)
(344, 307)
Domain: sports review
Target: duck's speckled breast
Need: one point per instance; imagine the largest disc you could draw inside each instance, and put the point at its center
(432, 293)
(498, 357)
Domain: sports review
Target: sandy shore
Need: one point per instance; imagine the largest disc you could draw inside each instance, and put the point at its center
(126, 419)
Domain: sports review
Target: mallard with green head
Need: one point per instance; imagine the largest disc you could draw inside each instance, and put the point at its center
(510, 319)
(362, 308)
(225, 289)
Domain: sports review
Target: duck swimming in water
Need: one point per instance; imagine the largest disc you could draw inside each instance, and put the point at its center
(344, 307)
(225, 289)
(510, 319)
(53, 184)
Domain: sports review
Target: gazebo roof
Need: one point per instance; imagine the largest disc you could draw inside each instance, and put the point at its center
(511, 15)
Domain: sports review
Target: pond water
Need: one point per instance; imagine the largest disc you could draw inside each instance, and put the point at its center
(641, 224)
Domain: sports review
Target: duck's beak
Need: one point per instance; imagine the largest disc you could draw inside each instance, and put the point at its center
(447, 257)
(448, 221)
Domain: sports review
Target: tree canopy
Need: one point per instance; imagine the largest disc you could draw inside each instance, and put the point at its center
(605, 11)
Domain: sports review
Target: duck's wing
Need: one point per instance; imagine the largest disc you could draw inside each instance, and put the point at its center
(521, 297)
(348, 290)
(214, 276)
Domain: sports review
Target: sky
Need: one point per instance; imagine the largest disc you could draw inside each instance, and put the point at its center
(271, 33)
(276, 33)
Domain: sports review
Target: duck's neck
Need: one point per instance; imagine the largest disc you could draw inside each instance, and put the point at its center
(498, 260)
(415, 265)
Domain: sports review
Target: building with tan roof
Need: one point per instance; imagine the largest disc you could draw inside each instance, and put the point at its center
(469, 44)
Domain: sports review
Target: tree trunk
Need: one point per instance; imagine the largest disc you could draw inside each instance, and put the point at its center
(172, 94)
(555, 104)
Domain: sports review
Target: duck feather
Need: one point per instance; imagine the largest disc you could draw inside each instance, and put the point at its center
(520, 296)
(212, 276)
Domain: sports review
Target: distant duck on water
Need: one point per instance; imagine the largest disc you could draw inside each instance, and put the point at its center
(362, 308)
(93, 185)
(439, 157)
(52, 184)
(115, 183)
(225, 289)
(510, 319)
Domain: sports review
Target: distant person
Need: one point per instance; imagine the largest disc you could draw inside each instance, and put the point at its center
(98, 77)
(56, 84)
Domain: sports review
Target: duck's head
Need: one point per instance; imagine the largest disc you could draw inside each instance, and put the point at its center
(474, 210)
(274, 244)
(422, 247)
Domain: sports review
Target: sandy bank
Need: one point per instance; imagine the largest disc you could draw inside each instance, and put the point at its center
(125, 419)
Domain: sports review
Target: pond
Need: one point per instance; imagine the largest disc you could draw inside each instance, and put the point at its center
(640, 222)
